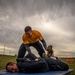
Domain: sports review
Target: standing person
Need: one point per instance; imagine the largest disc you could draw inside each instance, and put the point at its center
(31, 38)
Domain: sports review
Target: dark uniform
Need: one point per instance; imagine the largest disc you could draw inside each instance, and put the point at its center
(29, 65)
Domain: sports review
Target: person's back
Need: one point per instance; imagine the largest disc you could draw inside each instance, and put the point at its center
(32, 66)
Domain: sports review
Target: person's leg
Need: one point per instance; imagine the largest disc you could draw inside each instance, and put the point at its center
(22, 51)
(56, 64)
(63, 65)
(39, 48)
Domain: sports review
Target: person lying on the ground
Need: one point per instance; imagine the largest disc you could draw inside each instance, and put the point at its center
(33, 66)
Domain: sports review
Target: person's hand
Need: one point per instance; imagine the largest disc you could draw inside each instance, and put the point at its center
(36, 59)
(54, 58)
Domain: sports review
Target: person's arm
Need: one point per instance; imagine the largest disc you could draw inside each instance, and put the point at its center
(31, 55)
(44, 43)
(40, 37)
(27, 48)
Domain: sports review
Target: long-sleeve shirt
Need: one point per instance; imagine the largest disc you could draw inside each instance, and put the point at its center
(42, 65)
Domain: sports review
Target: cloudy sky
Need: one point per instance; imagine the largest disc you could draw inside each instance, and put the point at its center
(55, 19)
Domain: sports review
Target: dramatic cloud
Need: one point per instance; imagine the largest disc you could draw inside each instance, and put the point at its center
(55, 19)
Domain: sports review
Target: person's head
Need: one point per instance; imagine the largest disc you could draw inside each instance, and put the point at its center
(28, 31)
(11, 67)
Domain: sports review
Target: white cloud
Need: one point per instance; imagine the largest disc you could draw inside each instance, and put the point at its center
(54, 19)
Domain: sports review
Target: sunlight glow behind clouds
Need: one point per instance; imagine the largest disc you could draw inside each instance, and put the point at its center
(62, 36)
(55, 19)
